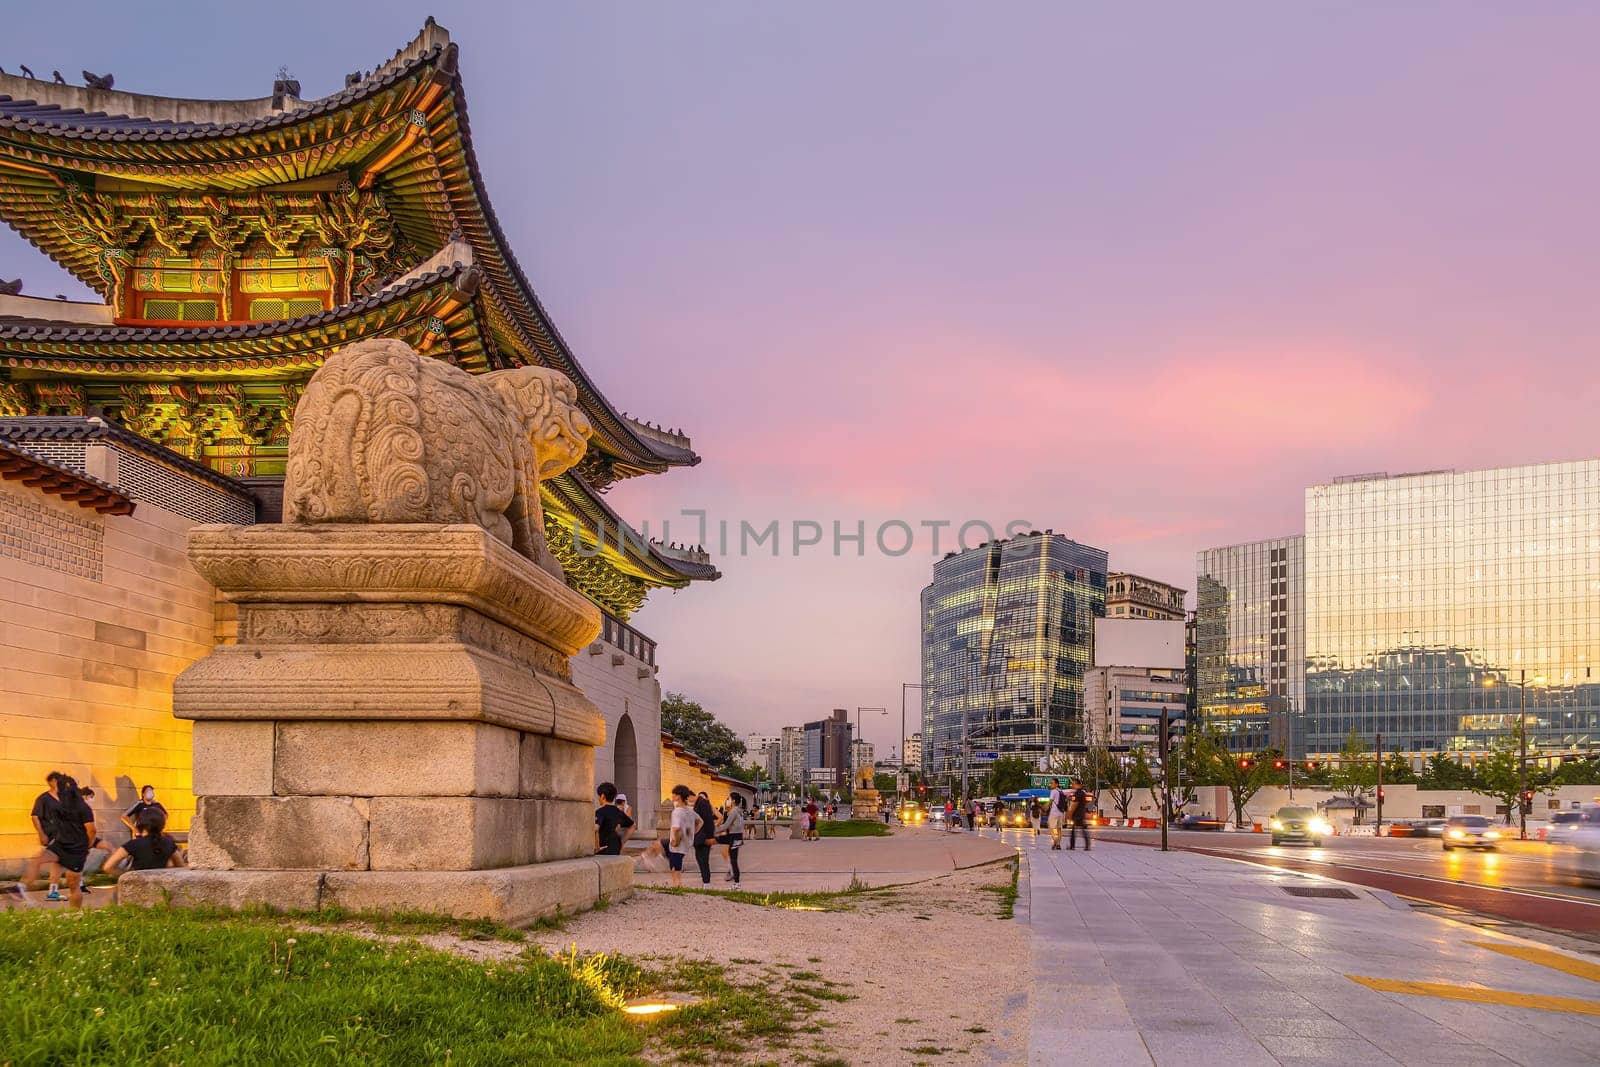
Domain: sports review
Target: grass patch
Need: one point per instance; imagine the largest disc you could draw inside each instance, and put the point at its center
(852, 828)
(1007, 894)
(833, 900)
(927, 1050)
(155, 986)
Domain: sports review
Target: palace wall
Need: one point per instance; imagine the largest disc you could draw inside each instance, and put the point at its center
(97, 615)
(625, 688)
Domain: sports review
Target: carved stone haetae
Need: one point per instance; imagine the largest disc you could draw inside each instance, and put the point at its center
(384, 435)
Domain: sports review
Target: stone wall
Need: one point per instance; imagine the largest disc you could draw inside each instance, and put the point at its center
(624, 685)
(97, 615)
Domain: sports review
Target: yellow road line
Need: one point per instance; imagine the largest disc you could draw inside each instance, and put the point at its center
(1544, 958)
(1569, 1005)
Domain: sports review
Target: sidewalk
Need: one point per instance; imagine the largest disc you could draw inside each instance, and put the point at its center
(908, 854)
(1144, 957)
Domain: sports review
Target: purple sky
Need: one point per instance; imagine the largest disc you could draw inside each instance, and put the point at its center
(1137, 279)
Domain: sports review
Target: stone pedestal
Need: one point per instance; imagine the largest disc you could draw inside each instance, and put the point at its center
(395, 729)
(865, 804)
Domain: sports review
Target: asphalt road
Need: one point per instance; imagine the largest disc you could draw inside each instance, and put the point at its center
(1516, 881)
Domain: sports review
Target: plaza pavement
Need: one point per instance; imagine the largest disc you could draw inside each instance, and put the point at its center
(1142, 957)
(908, 854)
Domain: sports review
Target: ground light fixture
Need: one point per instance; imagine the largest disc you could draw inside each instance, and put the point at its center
(658, 1003)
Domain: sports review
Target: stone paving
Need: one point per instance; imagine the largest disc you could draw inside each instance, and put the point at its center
(1144, 957)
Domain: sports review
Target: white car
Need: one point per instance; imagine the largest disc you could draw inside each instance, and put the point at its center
(1562, 825)
(1577, 854)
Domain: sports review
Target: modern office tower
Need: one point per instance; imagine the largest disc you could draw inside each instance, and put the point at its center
(911, 759)
(1437, 602)
(1131, 596)
(827, 750)
(1006, 635)
(792, 756)
(1250, 643)
(1123, 705)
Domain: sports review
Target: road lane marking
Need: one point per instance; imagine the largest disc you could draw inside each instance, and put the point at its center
(1545, 958)
(1477, 995)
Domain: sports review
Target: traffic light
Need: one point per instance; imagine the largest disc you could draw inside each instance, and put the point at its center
(922, 790)
(1311, 764)
(1380, 796)
(1279, 764)
(1527, 802)
(1246, 763)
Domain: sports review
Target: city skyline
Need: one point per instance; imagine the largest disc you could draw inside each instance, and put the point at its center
(1387, 292)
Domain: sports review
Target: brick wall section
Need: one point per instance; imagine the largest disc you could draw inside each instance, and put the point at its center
(86, 663)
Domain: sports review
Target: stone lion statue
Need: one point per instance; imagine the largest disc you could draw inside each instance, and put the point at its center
(384, 435)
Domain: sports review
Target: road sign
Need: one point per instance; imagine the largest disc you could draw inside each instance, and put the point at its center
(985, 755)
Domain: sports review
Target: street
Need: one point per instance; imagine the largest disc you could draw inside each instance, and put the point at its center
(1516, 882)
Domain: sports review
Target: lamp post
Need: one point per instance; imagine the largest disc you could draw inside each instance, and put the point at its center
(903, 687)
(857, 741)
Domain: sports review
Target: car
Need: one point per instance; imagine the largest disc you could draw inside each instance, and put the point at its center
(911, 815)
(1427, 827)
(1563, 824)
(1469, 831)
(1200, 822)
(1299, 824)
(1577, 854)
(936, 815)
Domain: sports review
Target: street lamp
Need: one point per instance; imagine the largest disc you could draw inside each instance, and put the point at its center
(903, 687)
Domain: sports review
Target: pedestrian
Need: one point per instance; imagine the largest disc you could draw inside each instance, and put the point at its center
(612, 825)
(147, 799)
(46, 806)
(1079, 810)
(681, 834)
(1057, 813)
(704, 835)
(730, 831)
(949, 816)
(813, 813)
(70, 831)
(151, 850)
(1035, 816)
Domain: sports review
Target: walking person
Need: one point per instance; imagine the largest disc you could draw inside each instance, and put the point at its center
(1057, 813)
(704, 836)
(730, 831)
(612, 825)
(70, 833)
(1079, 810)
(681, 834)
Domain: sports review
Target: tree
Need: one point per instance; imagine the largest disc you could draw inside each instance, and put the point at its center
(1009, 774)
(1397, 770)
(1498, 775)
(1577, 772)
(697, 730)
(1132, 772)
(1243, 774)
(883, 783)
(1444, 772)
(1356, 771)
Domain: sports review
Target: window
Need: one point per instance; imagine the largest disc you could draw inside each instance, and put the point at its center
(181, 310)
(294, 308)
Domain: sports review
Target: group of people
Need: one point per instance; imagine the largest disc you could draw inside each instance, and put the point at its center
(806, 819)
(64, 819)
(1068, 808)
(695, 826)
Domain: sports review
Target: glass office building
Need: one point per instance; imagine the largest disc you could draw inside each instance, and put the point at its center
(1007, 629)
(1249, 643)
(1433, 598)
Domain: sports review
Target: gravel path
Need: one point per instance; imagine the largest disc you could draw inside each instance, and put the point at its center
(934, 976)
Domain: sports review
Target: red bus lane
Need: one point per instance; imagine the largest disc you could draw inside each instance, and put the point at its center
(1530, 906)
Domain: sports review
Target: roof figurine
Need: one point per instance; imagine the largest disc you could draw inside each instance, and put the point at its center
(239, 243)
(11, 288)
(98, 81)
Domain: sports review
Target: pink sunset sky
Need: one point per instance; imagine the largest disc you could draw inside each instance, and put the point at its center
(1137, 274)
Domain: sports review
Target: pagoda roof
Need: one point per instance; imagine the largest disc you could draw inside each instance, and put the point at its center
(402, 130)
(19, 464)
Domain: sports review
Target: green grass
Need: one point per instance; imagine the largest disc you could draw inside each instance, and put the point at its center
(829, 900)
(1007, 894)
(129, 986)
(852, 828)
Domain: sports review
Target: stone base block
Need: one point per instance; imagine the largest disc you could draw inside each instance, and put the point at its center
(462, 833)
(395, 759)
(233, 759)
(279, 833)
(516, 896)
(555, 768)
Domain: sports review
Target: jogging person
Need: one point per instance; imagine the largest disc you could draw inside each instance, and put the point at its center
(46, 806)
(611, 823)
(680, 836)
(71, 832)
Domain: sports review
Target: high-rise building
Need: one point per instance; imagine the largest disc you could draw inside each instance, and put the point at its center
(862, 754)
(911, 760)
(1131, 596)
(827, 750)
(1006, 635)
(1433, 598)
(792, 756)
(1250, 643)
(1123, 705)
(762, 750)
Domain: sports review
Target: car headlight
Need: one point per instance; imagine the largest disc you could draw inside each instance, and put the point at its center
(1320, 826)
(1276, 825)
(1458, 833)
(1492, 833)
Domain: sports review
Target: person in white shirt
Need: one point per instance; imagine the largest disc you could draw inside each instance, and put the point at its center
(1057, 813)
(680, 838)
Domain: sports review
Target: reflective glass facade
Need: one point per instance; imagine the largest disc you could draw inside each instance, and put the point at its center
(1249, 642)
(1006, 635)
(1430, 597)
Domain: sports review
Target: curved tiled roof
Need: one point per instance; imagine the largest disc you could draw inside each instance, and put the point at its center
(23, 429)
(87, 491)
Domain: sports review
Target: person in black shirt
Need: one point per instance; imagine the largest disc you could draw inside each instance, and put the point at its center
(152, 850)
(705, 838)
(611, 823)
(71, 831)
(1079, 812)
(147, 800)
(46, 806)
